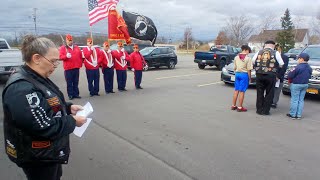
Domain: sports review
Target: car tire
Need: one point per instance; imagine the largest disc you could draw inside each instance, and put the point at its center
(286, 93)
(157, 67)
(171, 64)
(222, 64)
(201, 66)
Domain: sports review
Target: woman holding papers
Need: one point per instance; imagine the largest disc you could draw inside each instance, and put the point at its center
(37, 119)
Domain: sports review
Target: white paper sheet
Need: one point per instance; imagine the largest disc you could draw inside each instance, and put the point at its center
(78, 131)
(277, 83)
(87, 110)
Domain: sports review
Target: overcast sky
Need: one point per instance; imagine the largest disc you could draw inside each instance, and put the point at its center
(205, 17)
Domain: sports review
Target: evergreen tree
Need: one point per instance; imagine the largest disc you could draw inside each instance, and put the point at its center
(285, 38)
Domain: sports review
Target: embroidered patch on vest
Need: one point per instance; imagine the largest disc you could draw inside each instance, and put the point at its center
(40, 144)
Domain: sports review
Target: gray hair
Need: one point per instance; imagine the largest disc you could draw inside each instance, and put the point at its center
(35, 45)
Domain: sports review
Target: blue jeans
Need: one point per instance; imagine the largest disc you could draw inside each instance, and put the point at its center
(298, 91)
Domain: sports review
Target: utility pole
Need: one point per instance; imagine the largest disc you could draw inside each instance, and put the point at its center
(34, 16)
(187, 42)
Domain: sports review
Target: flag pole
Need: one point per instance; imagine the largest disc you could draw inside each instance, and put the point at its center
(91, 34)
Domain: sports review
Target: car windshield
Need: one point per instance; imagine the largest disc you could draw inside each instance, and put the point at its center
(294, 51)
(146, 51)
(314, 53)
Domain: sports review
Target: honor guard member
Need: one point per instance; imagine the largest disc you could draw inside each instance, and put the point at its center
(37, 119)
(107, 67)
(266, 63)
(92, 63)
(121, 57)
(71, 56)
(137, 63)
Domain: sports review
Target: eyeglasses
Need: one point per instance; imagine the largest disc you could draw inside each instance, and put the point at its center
(54, 63)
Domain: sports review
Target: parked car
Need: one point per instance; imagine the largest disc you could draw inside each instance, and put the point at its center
(292, 53)
(10, 58)
(159, 56)
(228, 74)
(314, 62)
(218, 56)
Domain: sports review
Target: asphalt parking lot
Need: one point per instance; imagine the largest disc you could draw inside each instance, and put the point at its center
(180, 126)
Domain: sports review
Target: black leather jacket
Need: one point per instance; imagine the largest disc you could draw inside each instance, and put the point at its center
(37, 120)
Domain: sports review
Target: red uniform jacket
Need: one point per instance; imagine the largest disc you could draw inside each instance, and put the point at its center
(91, 58)
(137, 61)
(106, 59)
(120, 64)
(76, 57)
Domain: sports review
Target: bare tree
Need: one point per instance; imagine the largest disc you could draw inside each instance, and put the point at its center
(269, 22)
(188, 38)
(238, 29)
(221, 38)
(316, 23)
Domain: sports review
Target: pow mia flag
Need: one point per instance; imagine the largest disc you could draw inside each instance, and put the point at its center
(140, 27)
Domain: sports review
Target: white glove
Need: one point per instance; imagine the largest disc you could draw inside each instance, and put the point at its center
(122, 49)
(132, 69)
(68, 55)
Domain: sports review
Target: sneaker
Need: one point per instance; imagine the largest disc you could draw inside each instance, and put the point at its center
(233, 107)
(241, 109)
(292, 117)
(298, 118)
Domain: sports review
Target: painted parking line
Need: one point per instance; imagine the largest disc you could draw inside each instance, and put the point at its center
(209, 84)
(186, 75)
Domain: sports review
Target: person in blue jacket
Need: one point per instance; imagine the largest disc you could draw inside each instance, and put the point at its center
(299, 79)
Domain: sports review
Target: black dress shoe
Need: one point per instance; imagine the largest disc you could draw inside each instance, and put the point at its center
(78, 97)
(97, 94)
(260, 113)
(267, 113)
(274, 106)
(91, 95)
(139, 87)
(122, 90)
(70, 97)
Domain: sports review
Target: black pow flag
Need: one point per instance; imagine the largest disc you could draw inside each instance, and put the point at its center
(140, 26)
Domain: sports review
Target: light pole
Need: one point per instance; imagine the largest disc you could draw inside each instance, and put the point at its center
(34, 16)
(187, 42)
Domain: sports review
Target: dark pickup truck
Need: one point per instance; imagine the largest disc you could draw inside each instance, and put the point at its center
(218, 56)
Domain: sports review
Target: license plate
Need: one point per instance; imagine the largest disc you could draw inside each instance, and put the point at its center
(312, 91)
(204, 61)
(2, 69)
(232, 78)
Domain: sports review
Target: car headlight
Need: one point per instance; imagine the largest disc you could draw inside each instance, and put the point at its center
(224, 71)
(315, 74)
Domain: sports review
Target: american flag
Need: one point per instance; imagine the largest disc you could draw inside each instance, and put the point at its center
(99, 9)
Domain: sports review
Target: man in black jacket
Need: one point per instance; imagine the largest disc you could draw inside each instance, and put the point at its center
(37, 119)
(280, 77)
